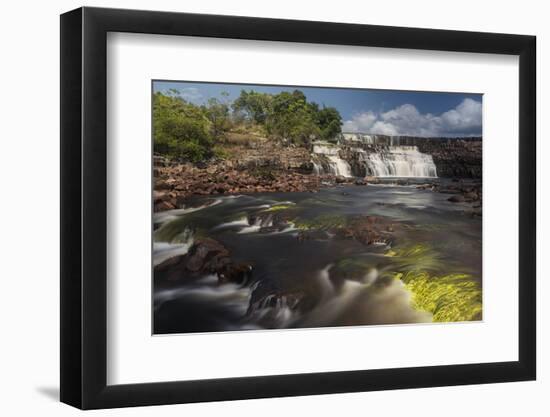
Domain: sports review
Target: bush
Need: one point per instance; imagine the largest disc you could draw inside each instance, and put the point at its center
(180, 129)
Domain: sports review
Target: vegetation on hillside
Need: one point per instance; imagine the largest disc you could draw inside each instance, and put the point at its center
(184, 130)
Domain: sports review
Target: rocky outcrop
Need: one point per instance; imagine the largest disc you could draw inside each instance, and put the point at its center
(455, 158)
(461, 191)
(206, 256)
(174, 184)
(268, 153)
(367, 230)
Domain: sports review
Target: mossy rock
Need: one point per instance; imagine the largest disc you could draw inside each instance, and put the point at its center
(279, 207)
(323, 222)
(419, 257)
(450, 297)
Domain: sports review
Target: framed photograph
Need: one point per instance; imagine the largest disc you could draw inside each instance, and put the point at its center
(257, 208)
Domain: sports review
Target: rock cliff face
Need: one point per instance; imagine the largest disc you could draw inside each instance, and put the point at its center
(453, 157)
(265, 153)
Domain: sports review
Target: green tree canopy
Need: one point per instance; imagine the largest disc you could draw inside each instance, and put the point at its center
(329, 122)
(180, 129)
(292, 119)
(255, 106)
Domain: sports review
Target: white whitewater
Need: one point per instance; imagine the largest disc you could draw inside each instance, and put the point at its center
(399, 161)
(337, 165)
(390, 160)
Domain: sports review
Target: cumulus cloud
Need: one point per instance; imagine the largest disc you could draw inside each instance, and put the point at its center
(406, 120)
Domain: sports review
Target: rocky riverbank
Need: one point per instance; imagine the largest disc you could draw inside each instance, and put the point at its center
(460, 191)
(257, 165)
(175, 184)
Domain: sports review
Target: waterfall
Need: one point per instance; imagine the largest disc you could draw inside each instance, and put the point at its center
(372, 155)
(398, 161)
(336, 165)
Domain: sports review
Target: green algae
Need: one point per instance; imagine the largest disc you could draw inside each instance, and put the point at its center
(323, 222)
(416, 257)
(449, 297)
(279, 207)
(452, 297)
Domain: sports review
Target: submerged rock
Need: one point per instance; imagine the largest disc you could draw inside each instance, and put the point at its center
(206, 256)
(368, 230)
(278, 308)
(456, 199)
(461, 191)
(237, 273)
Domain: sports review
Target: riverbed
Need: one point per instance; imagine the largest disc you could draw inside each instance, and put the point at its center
(345, 255)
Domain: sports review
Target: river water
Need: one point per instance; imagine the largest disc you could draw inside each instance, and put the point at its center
(308, 269)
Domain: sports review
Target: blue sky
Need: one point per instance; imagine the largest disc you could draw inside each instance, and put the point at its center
(368, 111)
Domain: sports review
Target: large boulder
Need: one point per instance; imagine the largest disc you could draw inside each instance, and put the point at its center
(205, 254)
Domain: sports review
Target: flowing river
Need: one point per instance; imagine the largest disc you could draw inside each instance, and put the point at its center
(346, 255)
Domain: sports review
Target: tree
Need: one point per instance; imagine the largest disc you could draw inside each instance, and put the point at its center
(218, 113)
(180, 129)
(255, 106)
(329, 122)
(185, 130)
(292, 118)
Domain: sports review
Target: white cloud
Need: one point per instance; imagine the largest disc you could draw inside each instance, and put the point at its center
(362, 122)
(191, 94)
(463, 120)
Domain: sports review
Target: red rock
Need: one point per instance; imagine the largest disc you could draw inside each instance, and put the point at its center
(164, 205)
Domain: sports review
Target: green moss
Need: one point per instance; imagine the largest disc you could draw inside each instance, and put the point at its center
(279, 207)
(449, 297)
(453, 297)
(323, 222)
(420, 257)
(173, 232)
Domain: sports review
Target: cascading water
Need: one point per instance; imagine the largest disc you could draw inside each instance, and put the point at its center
(336, 165)
(377, 156)
(398, 161)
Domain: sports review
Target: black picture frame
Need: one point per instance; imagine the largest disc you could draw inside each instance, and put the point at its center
(84, 207)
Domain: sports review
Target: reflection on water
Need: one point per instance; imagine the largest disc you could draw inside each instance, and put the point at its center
(347, 255)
